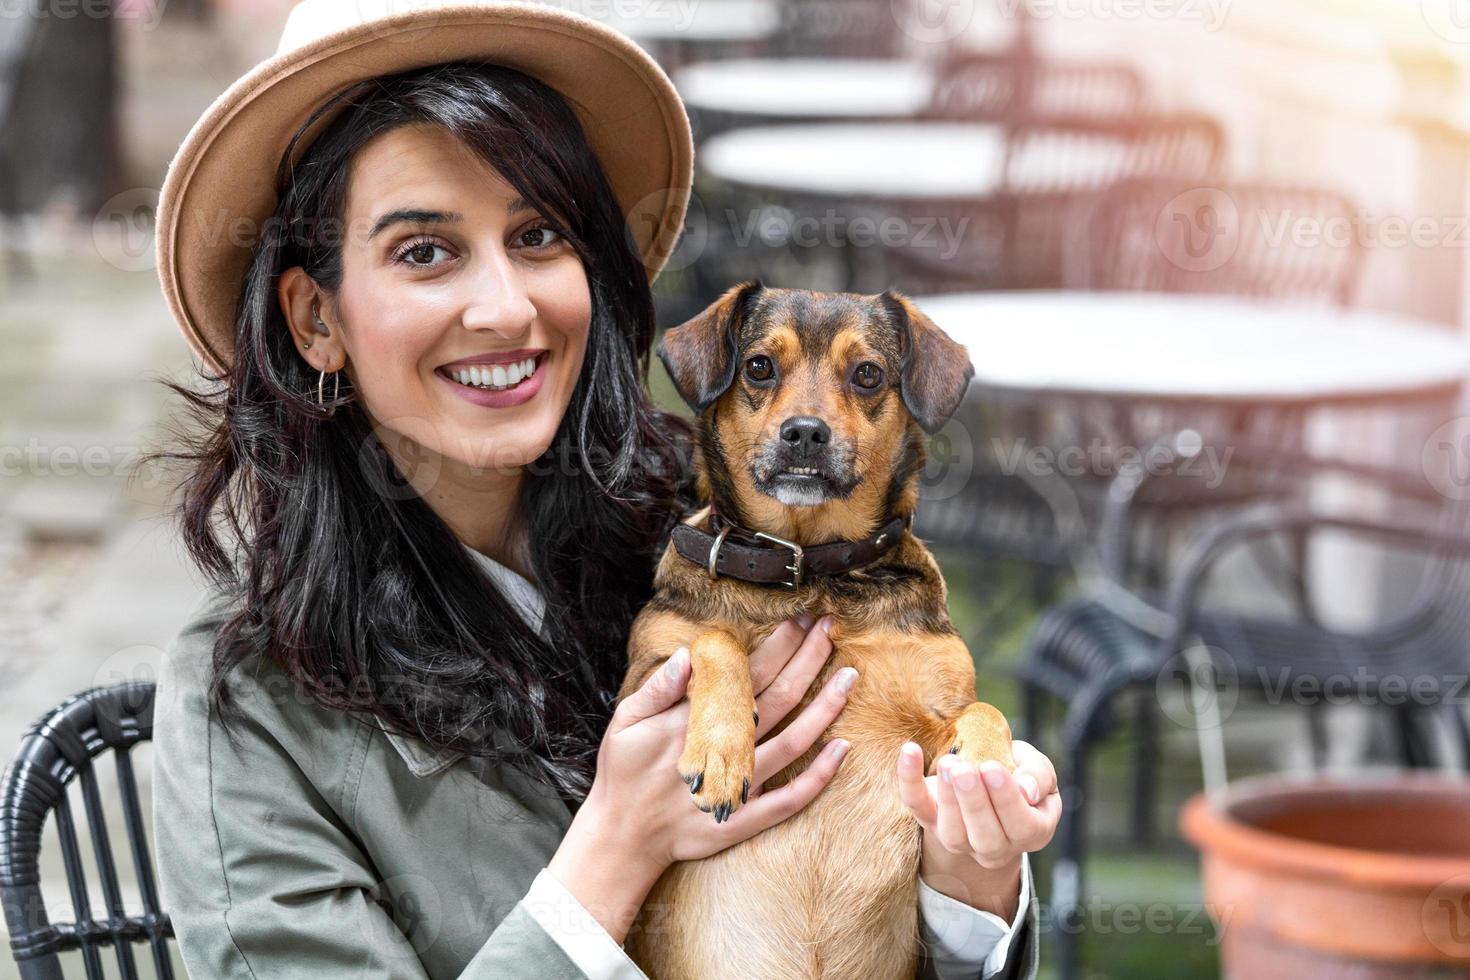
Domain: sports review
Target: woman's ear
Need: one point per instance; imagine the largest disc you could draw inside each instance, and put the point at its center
(700, 353)
(935, 371)
(310, 322)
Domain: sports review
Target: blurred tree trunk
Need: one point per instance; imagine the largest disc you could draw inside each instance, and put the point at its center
(58, 108)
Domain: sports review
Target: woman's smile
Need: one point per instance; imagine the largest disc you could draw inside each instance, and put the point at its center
(496, 380)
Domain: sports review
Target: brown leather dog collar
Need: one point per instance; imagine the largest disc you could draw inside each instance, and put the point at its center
(739, 553)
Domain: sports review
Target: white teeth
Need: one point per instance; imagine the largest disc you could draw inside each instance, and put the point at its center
(495, 376)
(802, 470)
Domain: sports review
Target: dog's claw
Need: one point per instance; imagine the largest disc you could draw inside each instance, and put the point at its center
(744, 790)
(697, 782)
(955, 749)
(757, 716)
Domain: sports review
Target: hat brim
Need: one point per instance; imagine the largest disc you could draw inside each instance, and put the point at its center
(220, 187)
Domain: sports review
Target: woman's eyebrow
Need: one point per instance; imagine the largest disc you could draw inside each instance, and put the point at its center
(418, 216)
(423, 216)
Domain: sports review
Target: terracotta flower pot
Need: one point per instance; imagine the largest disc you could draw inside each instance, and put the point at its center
(1359, 877)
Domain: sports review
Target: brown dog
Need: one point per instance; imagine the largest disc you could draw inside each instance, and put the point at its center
(812, 410)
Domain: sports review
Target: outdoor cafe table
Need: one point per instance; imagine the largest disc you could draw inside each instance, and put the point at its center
(913, 161)
(1197, 349)
(1093, 357)
(807, 88)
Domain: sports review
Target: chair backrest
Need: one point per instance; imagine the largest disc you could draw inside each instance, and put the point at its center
(1176, 235)
(1015, 85)
(58, 750)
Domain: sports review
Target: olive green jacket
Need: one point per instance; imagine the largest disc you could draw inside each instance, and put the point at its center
(308, 842)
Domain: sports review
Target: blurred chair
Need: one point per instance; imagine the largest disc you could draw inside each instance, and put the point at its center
(1174, 235)
(1015, 85)
(1087, 652)
(1182, 235)
(838, 29)
(1052, 170)
(56, 752)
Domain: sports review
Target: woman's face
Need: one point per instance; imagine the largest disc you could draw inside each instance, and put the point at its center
(461, 316)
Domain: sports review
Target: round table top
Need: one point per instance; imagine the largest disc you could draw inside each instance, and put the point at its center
(808, 88)
(1196, 348)
(707, 20)
(917, 160)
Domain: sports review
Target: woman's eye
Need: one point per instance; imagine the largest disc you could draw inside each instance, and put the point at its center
(867, 375)
(419, 253)
(542, 236)
(760, 368)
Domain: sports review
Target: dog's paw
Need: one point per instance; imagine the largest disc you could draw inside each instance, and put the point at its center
(718, 762)
(981, 734)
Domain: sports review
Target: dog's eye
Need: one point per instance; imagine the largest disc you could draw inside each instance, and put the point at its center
(867, 375)
(760, 368)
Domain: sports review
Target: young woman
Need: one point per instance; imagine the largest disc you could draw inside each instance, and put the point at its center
(429, 496)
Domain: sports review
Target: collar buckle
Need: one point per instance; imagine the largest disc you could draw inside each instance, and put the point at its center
(797, 555)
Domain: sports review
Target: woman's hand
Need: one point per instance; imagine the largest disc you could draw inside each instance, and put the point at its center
(977, 824)
(638, 817)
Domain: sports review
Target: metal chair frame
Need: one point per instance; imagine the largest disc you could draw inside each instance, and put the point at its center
(57, 751)
(1087, 652)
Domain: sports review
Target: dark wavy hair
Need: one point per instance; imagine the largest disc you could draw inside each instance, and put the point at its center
(344, 576)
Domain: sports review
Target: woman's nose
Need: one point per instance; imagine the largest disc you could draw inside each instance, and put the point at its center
(500, 302)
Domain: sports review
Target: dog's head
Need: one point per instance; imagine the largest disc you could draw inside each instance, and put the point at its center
(813, 406)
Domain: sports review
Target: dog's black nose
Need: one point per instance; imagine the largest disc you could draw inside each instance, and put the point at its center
(806, 434)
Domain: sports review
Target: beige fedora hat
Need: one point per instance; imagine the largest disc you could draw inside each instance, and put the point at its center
(221, 186)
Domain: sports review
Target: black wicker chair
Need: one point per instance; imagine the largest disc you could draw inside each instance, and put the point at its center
(57, 751)
(1089, 651)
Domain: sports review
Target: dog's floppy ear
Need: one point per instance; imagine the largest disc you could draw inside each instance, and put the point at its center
(935, 371)
(700, 353)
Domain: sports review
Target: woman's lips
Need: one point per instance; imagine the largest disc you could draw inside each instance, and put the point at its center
(517, 394)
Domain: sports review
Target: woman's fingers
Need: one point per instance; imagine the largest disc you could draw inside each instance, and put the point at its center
(773, 653)
(989, 838)
(912, 788)
(775, 700)
(662, 689)
(771, 807)
(949, 823)
(1035, 774)
(1021, 822)
(775, 754)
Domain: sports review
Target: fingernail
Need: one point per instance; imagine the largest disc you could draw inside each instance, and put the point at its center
(671, 669)
(846, 678)
(995, 777)
(965, 779)
(944, 769)
(1029, 787)
(805, 620)
(909, 755)
(826, 624)
(839, 748)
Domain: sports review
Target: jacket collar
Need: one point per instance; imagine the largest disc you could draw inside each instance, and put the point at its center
(421, 758)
